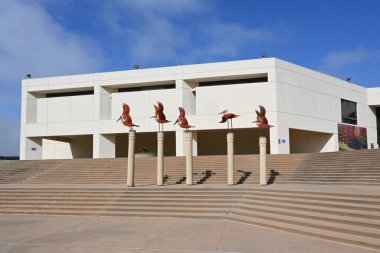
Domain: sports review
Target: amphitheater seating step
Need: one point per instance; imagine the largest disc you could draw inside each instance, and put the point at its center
(341, 217)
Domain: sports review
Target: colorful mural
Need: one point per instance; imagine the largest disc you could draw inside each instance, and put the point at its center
(352, 137)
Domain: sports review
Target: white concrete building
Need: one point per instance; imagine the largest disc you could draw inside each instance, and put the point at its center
(74, 116)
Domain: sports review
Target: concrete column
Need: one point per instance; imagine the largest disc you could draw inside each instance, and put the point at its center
(263, 160)
(189, 157)
(279, 135)
(104, 145)
(180, 145)
(230, 158)
(131, 159)
(160, 158)
(33, 148)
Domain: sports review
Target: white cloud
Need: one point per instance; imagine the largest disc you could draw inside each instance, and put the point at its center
(341, 59)
(156, 32)
(31, 41)
(229, 39)
(163, 7)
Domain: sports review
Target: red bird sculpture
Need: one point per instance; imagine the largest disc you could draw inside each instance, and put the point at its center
(182, 121)
(261, 120)
(160, 116)
(126, 119)
(228, 116)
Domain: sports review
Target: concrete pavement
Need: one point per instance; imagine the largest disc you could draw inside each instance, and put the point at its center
(34, 233)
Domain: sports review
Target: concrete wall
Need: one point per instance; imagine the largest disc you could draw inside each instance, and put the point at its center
(141, 104)
(295, 98)
(145, 140)
(53, 149)
(311, 101)
(309, 142)
(67, 148)
(246, 141)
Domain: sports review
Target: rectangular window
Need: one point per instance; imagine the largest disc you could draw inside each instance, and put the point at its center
(144, 88)
(349, 114)
(69, 94)
(234, 81)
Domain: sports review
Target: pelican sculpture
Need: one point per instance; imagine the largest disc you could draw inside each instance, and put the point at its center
(126, 119)
(160, 116)
(261, 120)
(226, 116)
(182, 121)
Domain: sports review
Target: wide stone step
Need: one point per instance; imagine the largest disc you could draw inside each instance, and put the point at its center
(308, 230)
(338, 218)
(290, 207)
(340, 227)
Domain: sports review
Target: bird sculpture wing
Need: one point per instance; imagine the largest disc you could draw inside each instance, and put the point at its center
(126, 109)
(262, 111)
(128, 118)
(182, 112)
(224, 119)
(156, 108)
(160, 106)
(183, 120)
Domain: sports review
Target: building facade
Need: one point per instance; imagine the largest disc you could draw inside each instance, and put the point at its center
(75, 116)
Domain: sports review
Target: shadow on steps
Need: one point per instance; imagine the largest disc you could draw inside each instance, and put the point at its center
(207, 174)
(244, 177)
(272, 176)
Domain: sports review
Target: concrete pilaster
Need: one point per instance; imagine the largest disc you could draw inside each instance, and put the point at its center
(160, 158)
(263, 160)
(33, 148)
(230, 158)
(104, 146)
(189, 158)
(131, 159)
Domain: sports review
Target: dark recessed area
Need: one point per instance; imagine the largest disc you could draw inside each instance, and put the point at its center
(144, 88)
(234, 81)
(69, 94)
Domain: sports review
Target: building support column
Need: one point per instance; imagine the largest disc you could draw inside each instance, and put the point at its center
(131, 159)
(230, 158)
(160, 158)
(104, 146)
(263, 160)
(181, 144)
(33, 148)
(189, 157)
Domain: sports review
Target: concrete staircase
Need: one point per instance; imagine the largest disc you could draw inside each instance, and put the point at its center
(342, 217)
(18, 171)
(207, 170)
(354, 167)
(361, 167)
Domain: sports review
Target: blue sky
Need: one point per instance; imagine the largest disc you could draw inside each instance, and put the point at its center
(54, 37)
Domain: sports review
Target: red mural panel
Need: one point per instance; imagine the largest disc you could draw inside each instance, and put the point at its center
(352, 137)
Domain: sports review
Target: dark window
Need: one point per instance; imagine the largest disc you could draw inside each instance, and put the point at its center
(69, 94)
(235, 81)
(349, 114)
(142, 88)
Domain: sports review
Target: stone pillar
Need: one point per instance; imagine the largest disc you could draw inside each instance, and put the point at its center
(160, 158)
(263, 160)
(131, 159)
(230, 158)
(189, 158)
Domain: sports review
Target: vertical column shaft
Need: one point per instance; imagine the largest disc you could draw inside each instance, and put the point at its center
(230, 158)
(263, 160)
(131, 159)
(160, 158)
(189, 158)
